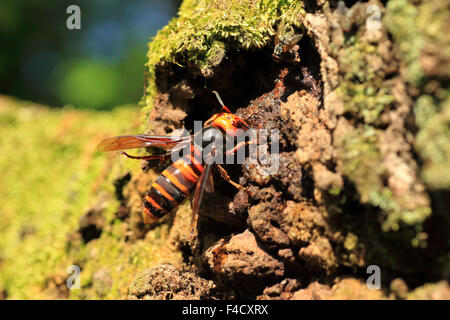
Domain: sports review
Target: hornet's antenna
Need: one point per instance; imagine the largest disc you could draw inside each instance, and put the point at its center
(221, 102)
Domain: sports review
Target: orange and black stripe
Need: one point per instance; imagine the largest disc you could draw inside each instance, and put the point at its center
(173, 185)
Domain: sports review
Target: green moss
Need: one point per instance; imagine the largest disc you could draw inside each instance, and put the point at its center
(433, 120)
(202, 25)
(205, 30)
(401, 21)
(364, 94)
(361, 158)
(110, 263)
(420, 31)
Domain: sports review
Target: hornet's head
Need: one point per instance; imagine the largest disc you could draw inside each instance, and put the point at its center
(228, 123)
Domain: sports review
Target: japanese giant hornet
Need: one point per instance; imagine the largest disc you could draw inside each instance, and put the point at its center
(188, 172)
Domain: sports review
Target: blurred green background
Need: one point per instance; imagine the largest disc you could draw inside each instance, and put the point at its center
(97, 67)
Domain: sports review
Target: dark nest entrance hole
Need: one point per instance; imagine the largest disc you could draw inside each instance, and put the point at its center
(241, 79)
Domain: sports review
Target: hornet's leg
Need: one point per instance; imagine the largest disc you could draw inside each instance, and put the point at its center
(227, 178)
(239, 146)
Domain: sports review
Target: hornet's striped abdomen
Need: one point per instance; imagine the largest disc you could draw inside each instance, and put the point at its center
(173, 185)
